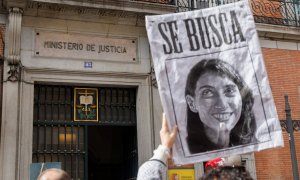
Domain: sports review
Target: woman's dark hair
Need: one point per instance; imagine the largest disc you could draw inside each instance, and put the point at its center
(243, 131)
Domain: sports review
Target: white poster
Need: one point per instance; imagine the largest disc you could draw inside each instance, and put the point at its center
(213, 83)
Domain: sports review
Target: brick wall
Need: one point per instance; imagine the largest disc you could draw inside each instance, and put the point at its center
(283, 68)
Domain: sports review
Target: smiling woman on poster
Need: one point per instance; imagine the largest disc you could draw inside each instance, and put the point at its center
(219, 107)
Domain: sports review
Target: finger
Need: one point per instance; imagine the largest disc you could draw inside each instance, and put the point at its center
(164, 123)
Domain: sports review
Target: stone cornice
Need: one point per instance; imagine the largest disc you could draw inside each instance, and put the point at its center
(79, 10)
(132, 11)
(15, 3)
(85, 6)
(92, 14)
(50, 71)
(277, 32)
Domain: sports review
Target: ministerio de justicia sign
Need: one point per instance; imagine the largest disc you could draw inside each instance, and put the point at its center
(85, 46)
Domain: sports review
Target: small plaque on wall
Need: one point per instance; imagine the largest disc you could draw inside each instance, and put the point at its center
(86, 104)
(85, 46)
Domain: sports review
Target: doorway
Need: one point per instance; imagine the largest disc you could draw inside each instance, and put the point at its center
(111, 152)
(87, 150)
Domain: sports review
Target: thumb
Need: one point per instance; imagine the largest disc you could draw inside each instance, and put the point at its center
(174, 131)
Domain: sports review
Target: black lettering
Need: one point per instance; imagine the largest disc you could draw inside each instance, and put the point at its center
(45, 44)
(100, 49)
(191, 34)
(174, 36)
(74, 46)
(215, 31)
(90, 47)
(70, 45)
(202, 35)
(167, 47)
(59, 45)
(229, 40)
(119, 49)
(236, 27)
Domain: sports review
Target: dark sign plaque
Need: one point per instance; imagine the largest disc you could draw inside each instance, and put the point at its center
(86, 104)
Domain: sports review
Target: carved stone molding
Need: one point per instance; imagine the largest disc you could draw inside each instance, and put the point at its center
(296, 125)
(14, 43)
(14, 73)
(153, 78)
(14, 36)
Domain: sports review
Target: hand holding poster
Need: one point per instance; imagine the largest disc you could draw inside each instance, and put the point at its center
(213, 83)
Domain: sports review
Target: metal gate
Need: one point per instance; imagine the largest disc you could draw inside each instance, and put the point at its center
(58, 138)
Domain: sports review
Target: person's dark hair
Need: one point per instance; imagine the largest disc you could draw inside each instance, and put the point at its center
(243, 131)
(227, 173)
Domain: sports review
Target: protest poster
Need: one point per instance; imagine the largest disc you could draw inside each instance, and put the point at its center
(213, 83)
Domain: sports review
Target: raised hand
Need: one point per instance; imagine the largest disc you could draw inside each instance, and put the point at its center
(167, 138)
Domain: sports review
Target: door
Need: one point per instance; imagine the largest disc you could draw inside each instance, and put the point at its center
(101, 149)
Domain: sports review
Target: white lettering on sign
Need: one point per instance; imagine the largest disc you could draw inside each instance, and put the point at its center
(88, 64)
(79, 46)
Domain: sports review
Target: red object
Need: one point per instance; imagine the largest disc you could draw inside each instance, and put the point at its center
(214, 163)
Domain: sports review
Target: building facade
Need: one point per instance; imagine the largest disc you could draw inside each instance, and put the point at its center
(79, 88)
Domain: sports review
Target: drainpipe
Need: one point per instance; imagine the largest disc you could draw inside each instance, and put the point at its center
(290, 130)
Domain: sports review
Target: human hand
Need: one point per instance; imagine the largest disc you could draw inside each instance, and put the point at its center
(167, 138)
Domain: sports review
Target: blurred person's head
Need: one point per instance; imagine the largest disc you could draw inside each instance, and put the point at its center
(214, 163)
(234, 160)
(227, 173)
(54, 174)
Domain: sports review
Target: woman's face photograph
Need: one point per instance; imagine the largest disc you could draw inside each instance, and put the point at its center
(217, 100)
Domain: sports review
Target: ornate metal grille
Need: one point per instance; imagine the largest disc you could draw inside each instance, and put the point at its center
(296, 125)
(57, 138)
(278, 12)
